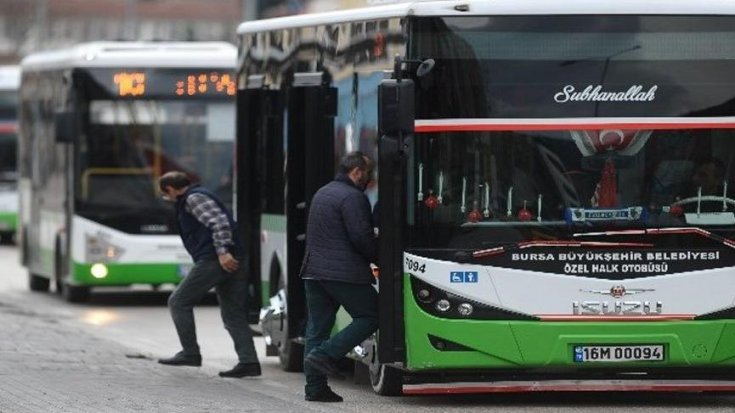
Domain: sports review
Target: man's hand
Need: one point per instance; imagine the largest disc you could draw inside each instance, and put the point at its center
(376, 270)
(228, 262)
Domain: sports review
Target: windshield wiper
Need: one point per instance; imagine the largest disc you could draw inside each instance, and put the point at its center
(663, 231)
(533, 244)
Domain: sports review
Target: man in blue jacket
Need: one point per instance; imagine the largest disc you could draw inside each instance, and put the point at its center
(340, 245)
(210, 236)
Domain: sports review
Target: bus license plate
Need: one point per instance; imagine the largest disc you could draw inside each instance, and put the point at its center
(585, 354)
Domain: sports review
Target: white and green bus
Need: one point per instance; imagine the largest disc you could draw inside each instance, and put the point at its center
(99, 123)
(556, 210)
(9, 81)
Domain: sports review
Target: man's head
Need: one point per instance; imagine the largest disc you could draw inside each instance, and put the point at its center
(358, 167)
(709, 175)
(173, 184)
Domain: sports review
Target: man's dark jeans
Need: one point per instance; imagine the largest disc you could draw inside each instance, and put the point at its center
(232, 292)
(323, 299)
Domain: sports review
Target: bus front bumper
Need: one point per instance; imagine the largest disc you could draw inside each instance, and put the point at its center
(123, 274)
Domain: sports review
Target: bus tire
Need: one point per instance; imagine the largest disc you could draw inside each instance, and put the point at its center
(291, 354)
(71, 293)
(38, 283)
(58, 268)
(386, 380)
(74, 293)
(24, 249)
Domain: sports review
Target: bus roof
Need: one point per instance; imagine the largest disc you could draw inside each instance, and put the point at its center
(9, 77)
(494, 7)
(135, 54)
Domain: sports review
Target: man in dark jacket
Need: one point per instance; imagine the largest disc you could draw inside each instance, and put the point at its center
(340, 245)
(210, 236)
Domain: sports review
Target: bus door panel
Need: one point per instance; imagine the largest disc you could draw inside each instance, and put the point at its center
(252, 110)
(310, 164)
(396, 122)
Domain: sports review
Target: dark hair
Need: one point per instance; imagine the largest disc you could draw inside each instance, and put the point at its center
(354, 160)
(175, 179)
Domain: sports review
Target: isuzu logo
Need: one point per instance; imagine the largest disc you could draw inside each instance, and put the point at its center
(616, 307)
(618, 291)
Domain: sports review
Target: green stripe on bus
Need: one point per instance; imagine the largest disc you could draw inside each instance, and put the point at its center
(8, 221)
(121, 274)
(543, 344)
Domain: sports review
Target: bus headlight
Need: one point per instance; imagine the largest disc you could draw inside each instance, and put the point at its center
(447, 305)
(98, 270)
(98, 249)
(443, 305)
(424, 295)
(465, 309)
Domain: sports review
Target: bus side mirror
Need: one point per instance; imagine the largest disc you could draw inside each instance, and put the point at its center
(396, 107)
(65, 127)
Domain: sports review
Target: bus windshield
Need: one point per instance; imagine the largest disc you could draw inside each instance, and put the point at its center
(561, 182)
(8, 104)
(129, 144)
(471, 186)
(8, 152)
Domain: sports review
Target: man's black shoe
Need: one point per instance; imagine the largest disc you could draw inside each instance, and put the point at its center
(242, 370)
(324, 365)
(181, 359)
(326, 395)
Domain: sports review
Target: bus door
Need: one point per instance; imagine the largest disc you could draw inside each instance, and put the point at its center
(254, 105)
(396, 123)
(310, 164)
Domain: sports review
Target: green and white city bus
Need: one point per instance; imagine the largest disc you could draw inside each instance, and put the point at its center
(9, 81)
(99, 123)
(555, 207)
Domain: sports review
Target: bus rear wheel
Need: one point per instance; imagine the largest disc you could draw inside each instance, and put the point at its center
(38, 283)
(386, 380)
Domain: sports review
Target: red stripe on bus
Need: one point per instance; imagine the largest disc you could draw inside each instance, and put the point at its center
(489, 127)
(563, 317)
(541, 387)
(8, 128)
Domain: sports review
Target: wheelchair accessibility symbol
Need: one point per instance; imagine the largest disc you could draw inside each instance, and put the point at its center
(463, 277)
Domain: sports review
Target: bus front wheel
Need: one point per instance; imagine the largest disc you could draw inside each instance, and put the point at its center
(74, 293)
(386, 380)
(71, 293)
(290, 353)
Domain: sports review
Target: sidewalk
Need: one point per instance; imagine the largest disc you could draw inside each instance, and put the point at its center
(47, 365)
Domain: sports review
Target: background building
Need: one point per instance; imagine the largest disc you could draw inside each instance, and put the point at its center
(30, 25)
(274, 8)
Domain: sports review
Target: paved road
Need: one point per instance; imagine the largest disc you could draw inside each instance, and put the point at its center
(100, 357)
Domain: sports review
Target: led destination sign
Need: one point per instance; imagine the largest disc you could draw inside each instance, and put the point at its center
(162, 83)
(129, 83)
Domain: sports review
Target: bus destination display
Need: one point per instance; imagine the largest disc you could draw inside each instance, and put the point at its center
(138, 84)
